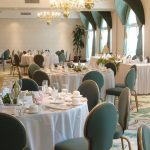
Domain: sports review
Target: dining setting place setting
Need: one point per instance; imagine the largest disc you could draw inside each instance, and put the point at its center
(47, 100)
(63, 100)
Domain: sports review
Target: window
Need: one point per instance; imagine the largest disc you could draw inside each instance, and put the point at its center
(132, 31)
(103, 35)
(89, 44)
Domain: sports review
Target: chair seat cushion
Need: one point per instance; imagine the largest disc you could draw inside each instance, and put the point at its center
(118, 132)
(114, 91)
(73, 144)
(122, 85)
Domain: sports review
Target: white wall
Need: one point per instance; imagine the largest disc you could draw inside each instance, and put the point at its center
(24, 34)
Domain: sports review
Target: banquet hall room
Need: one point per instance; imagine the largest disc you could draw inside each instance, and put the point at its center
(74, 75)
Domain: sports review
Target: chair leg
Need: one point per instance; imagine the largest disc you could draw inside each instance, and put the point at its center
(136, 99)
(122, 143)
(129, 144)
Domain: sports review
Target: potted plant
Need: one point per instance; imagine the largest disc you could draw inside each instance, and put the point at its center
(78, 41)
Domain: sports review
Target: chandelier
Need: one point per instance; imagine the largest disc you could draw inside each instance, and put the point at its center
(67, 5)
(49, 16)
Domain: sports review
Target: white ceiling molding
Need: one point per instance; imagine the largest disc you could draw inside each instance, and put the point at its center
(13, 9)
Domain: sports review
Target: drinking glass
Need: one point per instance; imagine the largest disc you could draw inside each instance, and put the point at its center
(44, 85)
(55, 88)
(64, 88)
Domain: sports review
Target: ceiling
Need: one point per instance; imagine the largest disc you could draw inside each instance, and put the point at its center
(20, 9)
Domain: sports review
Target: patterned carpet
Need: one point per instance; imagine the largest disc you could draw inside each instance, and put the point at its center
(136, 119)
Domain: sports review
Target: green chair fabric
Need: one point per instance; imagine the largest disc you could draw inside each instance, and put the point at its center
(99, 130)
(123, 84)
(90, 90)
(13, 134)
(129, 82)
(39, 59)
(95, 76)
(143, 138)
(39, 76)
(112, 66)
(29, 84)
(32, 68)
(124, 113)
(62, 58)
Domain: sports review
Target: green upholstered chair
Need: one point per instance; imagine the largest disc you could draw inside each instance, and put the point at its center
(90, 90)
(99, 130)
(95, 76)
(39, 76)
(13, 134)
(39, 60)
(133, 91)
(32, 68)
(143, 138)
(129, 82)
(112, 66)
(5, 58)
(123, 113)
(123, 84)
(29, 84)
(62, 58)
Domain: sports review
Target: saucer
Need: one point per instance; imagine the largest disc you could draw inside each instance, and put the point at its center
(56, 102)
(79, 96)
(76, 104)
(31, 112)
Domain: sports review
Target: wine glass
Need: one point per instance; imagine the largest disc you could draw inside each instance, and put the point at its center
(44, 85)
(55, 88)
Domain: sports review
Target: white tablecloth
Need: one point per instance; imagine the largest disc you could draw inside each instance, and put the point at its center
(46, 129)
(49, 59)
(74, 79)
(143, 77)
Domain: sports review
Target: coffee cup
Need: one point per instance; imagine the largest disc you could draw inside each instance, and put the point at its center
(33, 108)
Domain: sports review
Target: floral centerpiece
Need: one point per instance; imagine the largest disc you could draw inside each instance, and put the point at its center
(113, 59)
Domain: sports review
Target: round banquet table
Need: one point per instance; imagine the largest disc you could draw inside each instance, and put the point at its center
(49, 59)
(54, 124)
(74, 79)
(142, 85)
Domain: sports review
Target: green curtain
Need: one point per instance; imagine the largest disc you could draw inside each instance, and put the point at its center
(138, 9)
(121, 9)
(139, 49)
(97, 18)
(107, 16)
(86, 18)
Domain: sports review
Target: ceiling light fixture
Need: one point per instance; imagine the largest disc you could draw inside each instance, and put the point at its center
(68, 5)
(49, 16)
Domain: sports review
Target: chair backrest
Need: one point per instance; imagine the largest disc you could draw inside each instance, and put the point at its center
(100, 126)
(62, 58)
(134, 67)
(32, 68)
(112, 66)
(95, 76)
(90, 90)
(143, 138)
(6, 54)
(29, 84)
(39, 59)
(124, 108)
(130, 79)
(13, 134)
(39, 76)
(16, 60)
